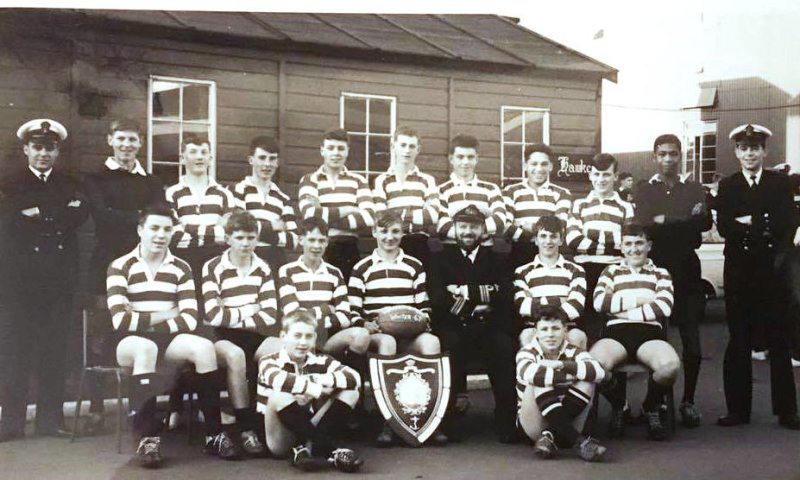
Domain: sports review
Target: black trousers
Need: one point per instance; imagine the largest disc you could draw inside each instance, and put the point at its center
(497, 350)
(522, 253)
(35, 329)
(416, 245)
(590, 321)
(687, 312)
(755, 292)
(342, 253)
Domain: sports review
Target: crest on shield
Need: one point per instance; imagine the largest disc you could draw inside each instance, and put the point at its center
(412, 392)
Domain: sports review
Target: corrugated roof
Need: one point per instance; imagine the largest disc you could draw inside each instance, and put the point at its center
(472, 38)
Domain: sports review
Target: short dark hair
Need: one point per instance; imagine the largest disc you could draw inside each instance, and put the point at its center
(666, 138)
(550, 312)
(384, 218)
(549, 223)
(635, 230)
(125, 125)
(624, 175)
(464, 141)
(603, 161)
(538, 148)
(194, 139)
(268, 144)
(335, 133)
(241, 220)
(310, 224)
(405, 130)
(156, 210)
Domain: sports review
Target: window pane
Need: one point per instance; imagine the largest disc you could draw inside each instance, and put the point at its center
(195, 102)
(357, 159)
(708, 177)
(709, 152)
(166, 142)
(379, 158)
(168, 173)
(166, 100)
(709, 140)
(534, 127)
(380, 112)
(355, 114)
(512, 126)
(512, 158)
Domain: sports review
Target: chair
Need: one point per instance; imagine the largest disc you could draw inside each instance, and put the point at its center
(97, 331)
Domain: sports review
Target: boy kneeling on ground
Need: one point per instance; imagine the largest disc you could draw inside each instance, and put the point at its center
(306, 397)
(555, 384)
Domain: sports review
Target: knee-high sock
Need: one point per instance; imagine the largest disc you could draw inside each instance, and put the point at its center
(691, 370)
(207, 387)
(297, 419)
(655, 395)
(143, 403)
(616, 391)
(246, 419)
(558, 420)
(575, 402)
(331, 425)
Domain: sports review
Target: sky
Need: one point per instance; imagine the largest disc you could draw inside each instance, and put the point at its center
(662, 50)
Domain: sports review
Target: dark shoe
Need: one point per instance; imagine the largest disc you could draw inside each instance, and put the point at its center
(223, 446)
(690, 415)
(789, 421)
(302, 459)
(590, 449)
(149, 452)
(462, 403)
(545, 447)
(616, 425)
(345, 460)
(655, 428)
(385, 438)
(731, 420)
(251, 444)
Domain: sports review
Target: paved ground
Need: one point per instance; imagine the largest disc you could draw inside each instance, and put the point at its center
(759, 451)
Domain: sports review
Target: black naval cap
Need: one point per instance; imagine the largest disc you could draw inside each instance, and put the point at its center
(471, 214)
(750, 133)
(43, 130)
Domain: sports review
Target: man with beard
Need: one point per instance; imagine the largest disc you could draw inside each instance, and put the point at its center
(674, 212)
(471, 296)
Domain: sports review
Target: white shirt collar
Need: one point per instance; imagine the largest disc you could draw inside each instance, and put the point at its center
(657, 178)
(747, 176)
(614, 196)
(137, 251)
(413, 171)
(457, 180)
(545, 186)
(323, 266)
(255, 262)
(112, 164)
(537, 261)
(376, 257)
(38, 173)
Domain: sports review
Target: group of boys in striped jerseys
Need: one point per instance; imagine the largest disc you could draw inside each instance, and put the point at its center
(210, 284)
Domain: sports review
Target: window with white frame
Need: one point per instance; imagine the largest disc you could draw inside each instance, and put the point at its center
(370, 121)
(700, 160)
(520, 126)
(176, 107)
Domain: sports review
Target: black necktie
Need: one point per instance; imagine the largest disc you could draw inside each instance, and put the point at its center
(753, 183)
(43, 177)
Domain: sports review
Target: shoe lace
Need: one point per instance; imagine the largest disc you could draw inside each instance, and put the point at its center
(300, 451)
(653, 419)
(342, 455)
(250, 439)
(148, 445)
(588, 445)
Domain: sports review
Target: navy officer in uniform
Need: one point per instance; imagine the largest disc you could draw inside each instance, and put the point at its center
(41, 210)
(756, 215)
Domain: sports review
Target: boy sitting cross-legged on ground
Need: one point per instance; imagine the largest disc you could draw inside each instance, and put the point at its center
(555, 384)
(306, 397)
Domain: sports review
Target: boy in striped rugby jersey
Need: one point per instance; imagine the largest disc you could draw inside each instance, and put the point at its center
(530, 200)
(259, 194)
(637, 296)
(240, 299)
(341, 198)
(306, 397)
(594, 229)
(411, 192)
(153, 308)
(389, 278)
(464, 189)
(312, 284)
(555, 385)
(550, 279)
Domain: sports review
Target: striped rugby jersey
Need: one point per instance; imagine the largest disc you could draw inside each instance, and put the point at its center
(563, 285)
(349, 189)
(277, 372)
(322, 291)
(198, 217)
(129, 281)
(594, 230)
(376, 283)
(526, 205)
(410, 197)
(275, 205)
(222, 281)
(550, 382)
(455, 195)
(650, 284)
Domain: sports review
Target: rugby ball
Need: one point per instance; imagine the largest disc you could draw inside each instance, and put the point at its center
(402, 321)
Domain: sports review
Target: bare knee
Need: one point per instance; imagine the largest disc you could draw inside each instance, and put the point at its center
(577, 337)
(279, 400)
(429, 344)
(360, 341)
(385, 344)
(350, 397)
(203, 355)
(666, 368)
(235, 360)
